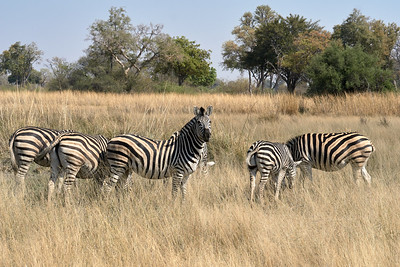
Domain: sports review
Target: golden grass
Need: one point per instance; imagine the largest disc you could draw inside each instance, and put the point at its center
(331, 222)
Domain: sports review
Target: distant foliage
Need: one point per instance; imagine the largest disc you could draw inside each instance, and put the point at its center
(347, 70)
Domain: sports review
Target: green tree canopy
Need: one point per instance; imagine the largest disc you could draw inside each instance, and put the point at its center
(18, 60)
(372, 35)
(347, 69)
(235, 52)
(192, 63)
(279, 45)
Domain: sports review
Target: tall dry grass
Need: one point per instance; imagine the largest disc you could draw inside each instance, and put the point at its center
(330, 222)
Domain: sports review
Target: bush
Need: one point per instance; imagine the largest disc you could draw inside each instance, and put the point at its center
(347, 70)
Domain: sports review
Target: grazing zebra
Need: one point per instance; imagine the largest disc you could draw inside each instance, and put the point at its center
(331, 152)
(176, 157)
(270, 158)
(74, 154)
(25, 144)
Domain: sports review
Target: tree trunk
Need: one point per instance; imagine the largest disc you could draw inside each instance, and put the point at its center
(291, 86)
(250, 90)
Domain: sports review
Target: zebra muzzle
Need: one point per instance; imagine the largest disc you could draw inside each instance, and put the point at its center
(207, 135)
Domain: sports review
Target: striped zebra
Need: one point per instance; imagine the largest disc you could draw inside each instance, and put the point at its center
(176, 157)
(331, 152)
(270, 159)
(75, 155)
(25, 144)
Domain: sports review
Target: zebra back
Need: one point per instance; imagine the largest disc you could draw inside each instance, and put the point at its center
(25, 144)
(331, 151)
(79, 148)
(274, 156)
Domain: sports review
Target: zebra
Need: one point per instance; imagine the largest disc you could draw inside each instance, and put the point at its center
(25, 144)
(331, 152)
(270, 158)
(176, 157)
(75, 155)
(204, 165)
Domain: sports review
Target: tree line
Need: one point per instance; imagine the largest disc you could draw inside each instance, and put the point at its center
(119, 57)
(361, 54)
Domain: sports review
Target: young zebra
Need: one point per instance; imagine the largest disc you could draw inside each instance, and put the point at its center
(270, 158)
(176, 157)
(331, 152)
(75, 155)
(25, 144)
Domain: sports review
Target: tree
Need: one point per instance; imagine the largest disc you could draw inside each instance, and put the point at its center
(347, 69)
(132, 48)
(192, 63)
(395, 55)
(372, 35)
(61, 71)
(278, 45)
(235, 53)
(17, 62)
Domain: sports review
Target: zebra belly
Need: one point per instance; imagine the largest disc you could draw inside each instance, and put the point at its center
(330, 167)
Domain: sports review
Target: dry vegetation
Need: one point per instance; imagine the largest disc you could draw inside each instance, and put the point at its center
(331, 222)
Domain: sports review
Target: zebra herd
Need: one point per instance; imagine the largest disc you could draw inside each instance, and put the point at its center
(74, 155)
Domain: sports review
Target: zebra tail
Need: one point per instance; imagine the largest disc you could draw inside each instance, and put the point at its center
(14, 163)
(47, 149)
(250, 160)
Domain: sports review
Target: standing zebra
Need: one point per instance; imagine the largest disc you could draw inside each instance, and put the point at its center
(270, 158)
(331, 152)
(25, 144)
(74, 154)
(176, 157)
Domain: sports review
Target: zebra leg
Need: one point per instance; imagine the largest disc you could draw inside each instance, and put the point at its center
(263, 182)
(129, 182)
(360, 171)
(253, 174)
(60, 180)
(176, 182)
(365, 174)
(184, 186)
(55, 172)
(69, 182)
(109, 185)
(278, 182)
(20, 177)
(306, 170)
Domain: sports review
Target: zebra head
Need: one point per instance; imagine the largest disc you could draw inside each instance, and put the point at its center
(203, 123)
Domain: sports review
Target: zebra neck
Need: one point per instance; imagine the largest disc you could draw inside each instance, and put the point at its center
(188, 138)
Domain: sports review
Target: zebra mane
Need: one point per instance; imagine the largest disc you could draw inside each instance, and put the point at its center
(202, 110)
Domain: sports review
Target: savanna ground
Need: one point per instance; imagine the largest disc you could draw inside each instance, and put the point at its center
(330, 222)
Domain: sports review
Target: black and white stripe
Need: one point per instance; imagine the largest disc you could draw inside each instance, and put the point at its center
(25, 144)
(204, 163)
(270, 159)
(75, 155)
(331, 152)
(176, 157)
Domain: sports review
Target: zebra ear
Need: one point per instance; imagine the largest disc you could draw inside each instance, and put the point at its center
(196, 111)
(209, 110)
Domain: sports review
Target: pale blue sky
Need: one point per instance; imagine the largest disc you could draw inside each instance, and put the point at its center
(60, 28)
